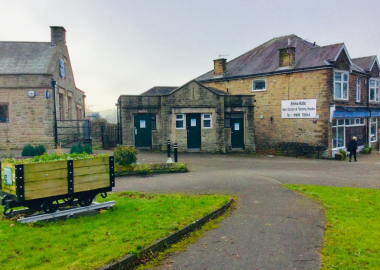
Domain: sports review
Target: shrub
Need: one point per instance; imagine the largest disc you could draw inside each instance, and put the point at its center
(365, 151)
(344, 154)
(87, 149)
(79, 149)
(125, 155)
(28, 150)
(39, 150)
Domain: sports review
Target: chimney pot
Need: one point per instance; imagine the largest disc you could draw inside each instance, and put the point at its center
(220, 67)
(58, 34)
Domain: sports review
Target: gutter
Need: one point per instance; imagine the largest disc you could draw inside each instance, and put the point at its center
(266, 73)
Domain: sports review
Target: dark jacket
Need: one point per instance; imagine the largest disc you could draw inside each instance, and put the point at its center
(352, 145)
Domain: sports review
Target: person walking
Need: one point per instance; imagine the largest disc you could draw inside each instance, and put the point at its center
(352, 147)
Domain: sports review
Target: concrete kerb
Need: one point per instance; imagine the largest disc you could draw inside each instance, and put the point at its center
(131, 260)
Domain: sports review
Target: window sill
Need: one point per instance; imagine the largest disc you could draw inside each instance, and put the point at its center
(341, 100)
(262, 90)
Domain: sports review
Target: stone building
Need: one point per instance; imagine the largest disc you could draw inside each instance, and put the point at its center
(26, 95)
(196, 117)
(310, 98)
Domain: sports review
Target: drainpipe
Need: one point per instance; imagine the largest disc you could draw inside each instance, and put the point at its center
(120, 125)
(53, 85)
(370, 113)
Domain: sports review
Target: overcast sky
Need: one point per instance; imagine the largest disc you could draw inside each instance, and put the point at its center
(126, 47)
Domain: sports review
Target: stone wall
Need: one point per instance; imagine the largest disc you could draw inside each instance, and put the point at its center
(191, 98)
(30, 119)
(270, 128)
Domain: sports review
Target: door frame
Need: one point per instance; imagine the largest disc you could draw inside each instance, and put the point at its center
(148, 127)
(194, 131)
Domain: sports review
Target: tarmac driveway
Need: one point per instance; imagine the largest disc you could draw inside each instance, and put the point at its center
(272, 227)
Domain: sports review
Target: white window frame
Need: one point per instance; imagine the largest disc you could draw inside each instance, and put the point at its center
(180, 120)
(358, 89)
(376, 130)
(352, 123)
(204, 118)
(342, 82)
(337, 125)
(376, 90)
(259, 90)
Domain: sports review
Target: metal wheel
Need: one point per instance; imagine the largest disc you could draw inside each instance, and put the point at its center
(85, 199)
(69, 201)
(7, 214)
(50, 206)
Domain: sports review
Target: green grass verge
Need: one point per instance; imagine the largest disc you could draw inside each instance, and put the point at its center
(88, 242)
(157, 258)
(352, 225)
(150, 168)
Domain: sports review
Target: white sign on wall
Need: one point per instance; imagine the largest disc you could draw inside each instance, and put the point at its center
(299, 108)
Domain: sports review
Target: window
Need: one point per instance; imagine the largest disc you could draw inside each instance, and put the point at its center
(206, 118)
(79, 114)
(179, 121)
(70, 107)
(374, 90)
(373, 128)
(153, 122)
(227, 120)
(338, 134)
(258, 85)
(4, 118)
(358, 89)
(61, 107)
(341, 85)
(339, 130)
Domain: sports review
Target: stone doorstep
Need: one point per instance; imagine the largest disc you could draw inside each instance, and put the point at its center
(130, 261)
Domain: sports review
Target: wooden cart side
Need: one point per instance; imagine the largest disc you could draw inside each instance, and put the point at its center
(7, 188)
(91, 174)
(45, 179)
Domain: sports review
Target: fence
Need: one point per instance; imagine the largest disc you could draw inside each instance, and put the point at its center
(70, 132)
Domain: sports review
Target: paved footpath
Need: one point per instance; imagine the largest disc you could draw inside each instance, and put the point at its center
(272, 227)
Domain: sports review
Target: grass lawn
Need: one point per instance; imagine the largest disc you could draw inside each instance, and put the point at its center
(352, 225)
(136, 221)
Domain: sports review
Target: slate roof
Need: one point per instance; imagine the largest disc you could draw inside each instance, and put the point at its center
(159, 91)
(265, 59)
(25, 57)
(364, 62)
(216, 91)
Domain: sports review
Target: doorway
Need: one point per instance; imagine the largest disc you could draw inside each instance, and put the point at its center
(143, 131)
(193, 126)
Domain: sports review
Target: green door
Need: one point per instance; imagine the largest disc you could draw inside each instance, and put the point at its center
(237, 131)
(193, 126)
(143, 131)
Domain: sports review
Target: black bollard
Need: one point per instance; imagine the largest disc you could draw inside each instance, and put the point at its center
(175, 153)
(168, 147)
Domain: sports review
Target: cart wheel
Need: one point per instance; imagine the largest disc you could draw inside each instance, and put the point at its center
(50, 206)
(85, 199)
(104, 195)
(7, 214)
(69, 201)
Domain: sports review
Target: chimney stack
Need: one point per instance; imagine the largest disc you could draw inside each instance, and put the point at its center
(220, 67)
(58, 34)
(287, 57)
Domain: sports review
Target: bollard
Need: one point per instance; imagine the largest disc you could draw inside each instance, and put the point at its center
(175, 152)
(168, 147)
